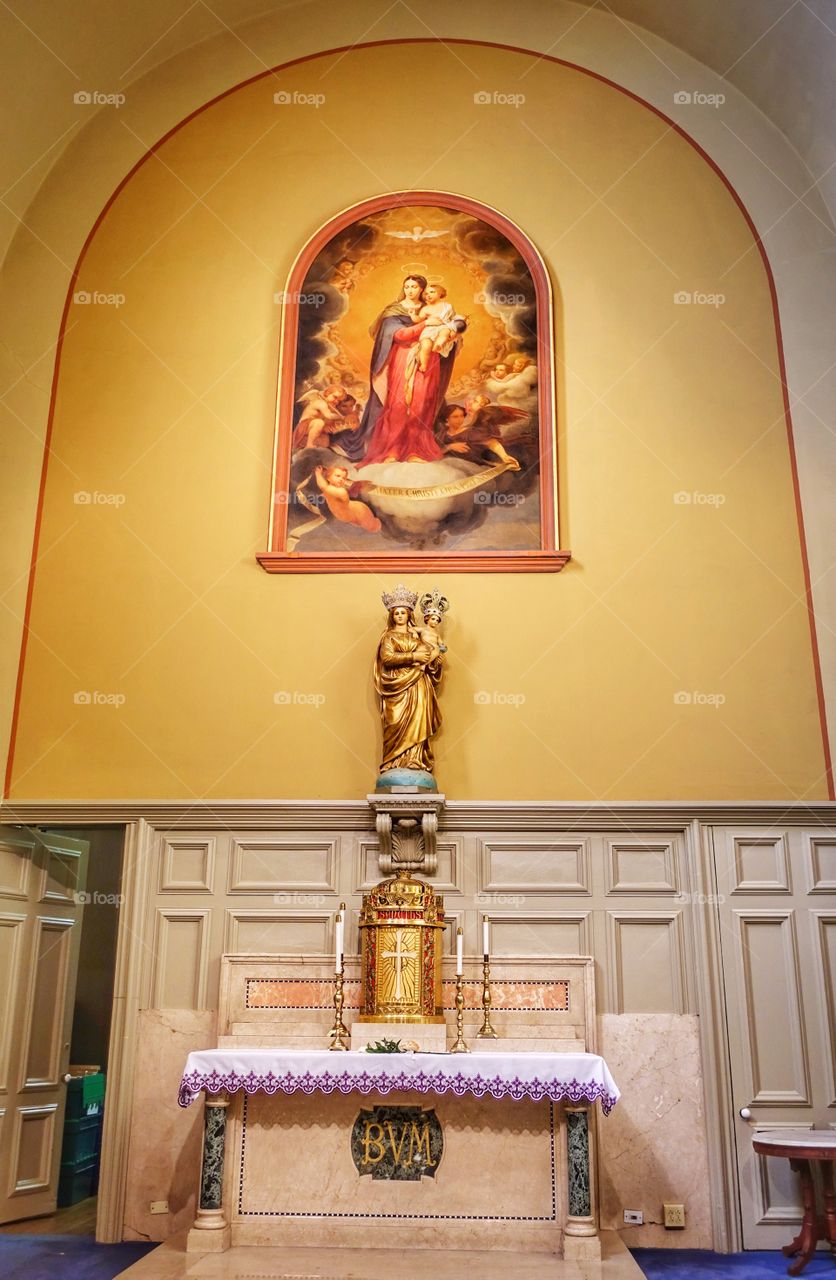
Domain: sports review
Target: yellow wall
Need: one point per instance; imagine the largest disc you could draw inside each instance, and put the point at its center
(168, 402)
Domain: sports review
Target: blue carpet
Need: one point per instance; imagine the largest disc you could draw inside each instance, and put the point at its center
(68, 1257)
(700, 1264)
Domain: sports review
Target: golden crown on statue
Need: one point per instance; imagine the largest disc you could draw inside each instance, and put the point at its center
(401, 597)
(434, 602)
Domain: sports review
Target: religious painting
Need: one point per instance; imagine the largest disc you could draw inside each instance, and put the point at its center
(415, 409)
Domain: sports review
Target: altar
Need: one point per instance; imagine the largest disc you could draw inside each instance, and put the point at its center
(490, 1149)
(408, 1096)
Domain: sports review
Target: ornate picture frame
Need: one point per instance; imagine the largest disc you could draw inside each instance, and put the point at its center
(415, 409)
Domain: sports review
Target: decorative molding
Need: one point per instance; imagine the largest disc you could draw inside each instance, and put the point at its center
(825, 920)
(22, 866)
(617, 880)
(62, 929)
(165, 917)
(458, 816)
(768, 1213)
(130, 952)
(235, 917)
(711, 1006)
(778, 843)
(169, 881)
(46, 1114)
(294, 851)
(820, 882)
(580, 919)
(582, 883)
(484, 562)
(795, 1035)
(11, 978)
(615, 921)
(59, 860)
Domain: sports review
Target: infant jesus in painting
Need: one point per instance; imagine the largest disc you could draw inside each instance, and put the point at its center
(441, 333)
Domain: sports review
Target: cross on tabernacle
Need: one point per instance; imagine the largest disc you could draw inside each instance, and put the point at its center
(400, 957)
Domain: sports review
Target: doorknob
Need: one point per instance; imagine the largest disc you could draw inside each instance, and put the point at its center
(745, 1113)
(68, 1078)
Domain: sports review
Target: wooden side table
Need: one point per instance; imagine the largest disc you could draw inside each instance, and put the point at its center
(803, 1148)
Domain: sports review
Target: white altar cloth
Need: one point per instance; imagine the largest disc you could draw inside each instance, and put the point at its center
(560, 1077)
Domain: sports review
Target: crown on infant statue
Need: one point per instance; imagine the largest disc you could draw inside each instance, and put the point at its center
(400, 598)
(434, 602)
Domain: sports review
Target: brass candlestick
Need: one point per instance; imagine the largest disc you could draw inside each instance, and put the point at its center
(459, 1046)
(486, 1032)
(338, 1035)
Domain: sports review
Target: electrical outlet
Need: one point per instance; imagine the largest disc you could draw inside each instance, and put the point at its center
(674, 1216)
(159, 1206)
(634, 1217)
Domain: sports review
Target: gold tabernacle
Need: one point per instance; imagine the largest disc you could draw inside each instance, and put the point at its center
(401, 926)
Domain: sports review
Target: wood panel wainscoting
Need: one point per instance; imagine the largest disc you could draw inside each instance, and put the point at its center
(663, 896)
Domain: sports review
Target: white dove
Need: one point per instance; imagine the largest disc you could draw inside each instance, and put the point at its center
(416, 234)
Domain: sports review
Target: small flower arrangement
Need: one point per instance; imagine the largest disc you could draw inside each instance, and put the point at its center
(385, 1046)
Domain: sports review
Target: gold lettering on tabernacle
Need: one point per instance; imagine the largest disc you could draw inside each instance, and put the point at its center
(423, 1140)
(369, 1141)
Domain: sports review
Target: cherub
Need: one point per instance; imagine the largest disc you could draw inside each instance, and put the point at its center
(343, 275)
(500, 371)
(326, 413)
(519, 386)
(442, 333)
(334, 484)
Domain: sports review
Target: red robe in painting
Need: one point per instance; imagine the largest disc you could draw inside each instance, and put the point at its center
(405, 430)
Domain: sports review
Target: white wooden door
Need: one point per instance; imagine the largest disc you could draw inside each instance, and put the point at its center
(42, 879)
(777, 906)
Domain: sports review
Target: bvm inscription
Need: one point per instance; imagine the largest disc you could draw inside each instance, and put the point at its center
(401, 1144)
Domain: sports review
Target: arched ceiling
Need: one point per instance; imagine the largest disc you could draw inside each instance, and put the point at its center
(779, 53)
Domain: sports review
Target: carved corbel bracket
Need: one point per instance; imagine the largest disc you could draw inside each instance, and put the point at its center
(406, 828)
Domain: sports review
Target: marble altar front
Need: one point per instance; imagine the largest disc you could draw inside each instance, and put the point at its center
(492, 1149)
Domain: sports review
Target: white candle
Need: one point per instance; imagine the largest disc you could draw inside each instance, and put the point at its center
(459, 951)
(486, 938)
(339, 941)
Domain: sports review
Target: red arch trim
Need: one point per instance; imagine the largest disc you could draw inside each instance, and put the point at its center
(489, 44)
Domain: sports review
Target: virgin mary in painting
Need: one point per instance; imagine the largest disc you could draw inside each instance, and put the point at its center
(399, 420)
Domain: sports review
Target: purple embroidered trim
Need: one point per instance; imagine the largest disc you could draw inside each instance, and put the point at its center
(423, 1082)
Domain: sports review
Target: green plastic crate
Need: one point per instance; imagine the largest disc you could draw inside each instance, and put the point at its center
(77, 1182)
(82, 1140)
(85, 1096)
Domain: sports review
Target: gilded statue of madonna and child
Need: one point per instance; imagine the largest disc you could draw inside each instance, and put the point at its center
(407, 673)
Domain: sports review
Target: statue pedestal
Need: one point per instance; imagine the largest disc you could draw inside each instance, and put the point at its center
(406, 822)
(430, 1037)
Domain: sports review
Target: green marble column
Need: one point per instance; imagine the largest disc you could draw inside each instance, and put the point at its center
(580, 1199)
(214, 1138)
